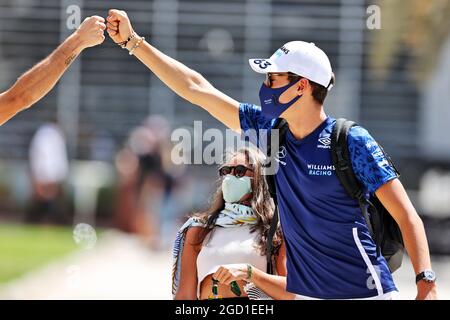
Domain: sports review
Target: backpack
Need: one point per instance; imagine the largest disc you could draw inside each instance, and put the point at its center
(382, 227)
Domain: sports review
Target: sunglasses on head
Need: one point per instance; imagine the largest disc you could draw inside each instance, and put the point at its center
(239, 170)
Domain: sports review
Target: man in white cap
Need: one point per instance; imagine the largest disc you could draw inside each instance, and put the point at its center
(39, 80)
(330, 253)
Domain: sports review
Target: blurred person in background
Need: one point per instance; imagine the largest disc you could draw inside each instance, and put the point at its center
(49, 166)
(146, 181)
(219, 251)
(39, 80)
(298, 76)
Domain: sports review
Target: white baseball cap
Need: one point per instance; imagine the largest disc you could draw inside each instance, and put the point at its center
(299, 57)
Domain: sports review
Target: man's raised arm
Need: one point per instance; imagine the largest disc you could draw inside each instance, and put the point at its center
(39, 80)
(184, 81)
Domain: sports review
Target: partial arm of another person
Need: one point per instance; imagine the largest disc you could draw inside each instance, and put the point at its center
(273, 285)
(184, 81)
(395, 199)
(39, 80)
(187, 289)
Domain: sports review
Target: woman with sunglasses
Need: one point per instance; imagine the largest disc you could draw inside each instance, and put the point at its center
(220, 253)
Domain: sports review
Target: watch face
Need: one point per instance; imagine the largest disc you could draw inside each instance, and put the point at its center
(429, 275)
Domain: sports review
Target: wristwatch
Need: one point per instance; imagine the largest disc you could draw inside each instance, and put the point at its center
(426, 275)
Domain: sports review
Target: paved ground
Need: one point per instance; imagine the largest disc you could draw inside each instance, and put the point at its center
(121, 267)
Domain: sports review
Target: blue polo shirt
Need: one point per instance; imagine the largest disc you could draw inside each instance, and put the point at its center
(330, 253)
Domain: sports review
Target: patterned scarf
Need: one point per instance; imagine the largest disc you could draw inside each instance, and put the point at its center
(233, 215)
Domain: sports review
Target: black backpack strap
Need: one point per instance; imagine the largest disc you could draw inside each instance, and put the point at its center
(344, 171)
(341, 158)
(282, 126)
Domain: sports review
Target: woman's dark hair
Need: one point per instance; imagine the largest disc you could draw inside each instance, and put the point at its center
(261, 203)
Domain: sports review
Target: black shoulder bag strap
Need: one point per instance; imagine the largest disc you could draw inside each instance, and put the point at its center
(282, 126)
(344, 171)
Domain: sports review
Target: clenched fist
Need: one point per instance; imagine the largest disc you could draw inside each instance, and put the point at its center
(91, 31)
(119, 25)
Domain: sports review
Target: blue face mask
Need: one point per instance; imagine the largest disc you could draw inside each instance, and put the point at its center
(270, 106)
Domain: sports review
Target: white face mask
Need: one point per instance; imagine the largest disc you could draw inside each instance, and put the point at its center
(234, 189)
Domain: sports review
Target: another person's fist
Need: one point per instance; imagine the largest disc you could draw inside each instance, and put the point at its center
(91, 31)
(119, 25)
